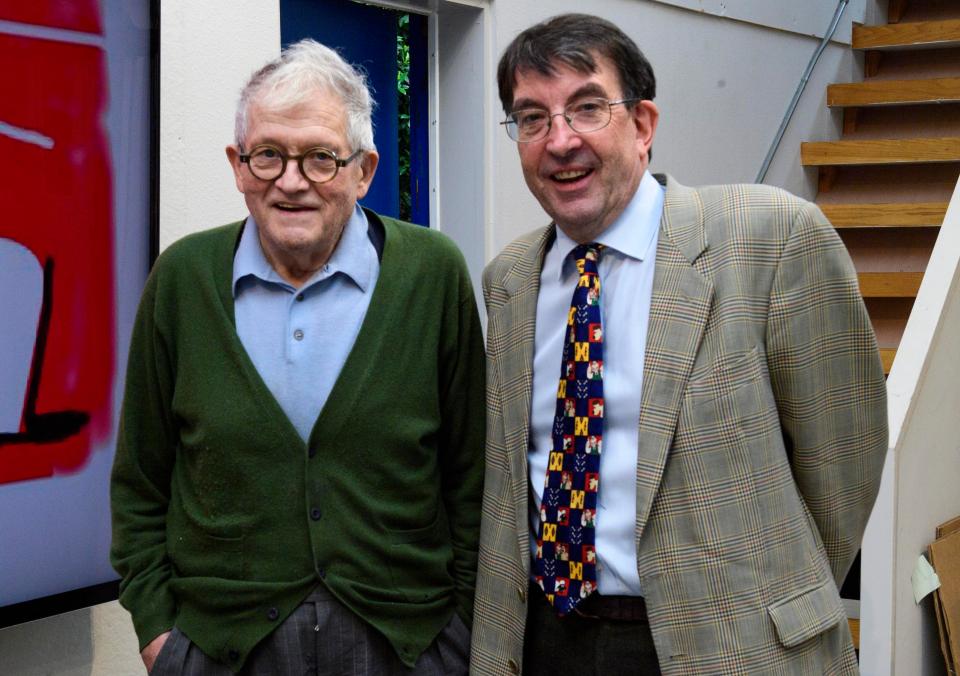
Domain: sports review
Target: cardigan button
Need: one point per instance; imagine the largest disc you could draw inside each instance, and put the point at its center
(315, 514)
(233, 655)
(513, 666)
(273, 614)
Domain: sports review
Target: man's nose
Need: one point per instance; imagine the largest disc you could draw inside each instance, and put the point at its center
(561, 138)
(292, 179)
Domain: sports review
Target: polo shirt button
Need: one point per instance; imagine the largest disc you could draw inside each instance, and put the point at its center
(298, 334)
(315, 514)
(300, 296)
(273, 614)
(233, 655)
(513, 666)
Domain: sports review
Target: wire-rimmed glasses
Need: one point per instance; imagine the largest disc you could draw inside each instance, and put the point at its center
(527, 125)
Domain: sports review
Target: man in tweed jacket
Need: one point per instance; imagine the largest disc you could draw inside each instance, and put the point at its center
(756, 419)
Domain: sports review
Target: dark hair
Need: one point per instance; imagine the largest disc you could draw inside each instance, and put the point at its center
(574, 40)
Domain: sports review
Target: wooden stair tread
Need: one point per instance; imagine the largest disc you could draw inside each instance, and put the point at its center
(892, 215)
(854, 624)
(919, 34)
(889, 284)
(880, 151)
(887, 355)
(894, 92)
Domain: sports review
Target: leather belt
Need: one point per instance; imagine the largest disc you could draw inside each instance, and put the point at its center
(620, 608)
(600, 607)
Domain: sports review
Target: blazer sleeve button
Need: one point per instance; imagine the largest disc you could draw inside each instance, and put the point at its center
(513, 666)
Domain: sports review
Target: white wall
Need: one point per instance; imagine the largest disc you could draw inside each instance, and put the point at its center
(96, 641)
(919, 489)
(208, 51)
(806, 18)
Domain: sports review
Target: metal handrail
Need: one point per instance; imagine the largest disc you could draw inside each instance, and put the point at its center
(800, 87)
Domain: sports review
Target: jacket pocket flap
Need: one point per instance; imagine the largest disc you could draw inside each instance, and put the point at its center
(807, 614)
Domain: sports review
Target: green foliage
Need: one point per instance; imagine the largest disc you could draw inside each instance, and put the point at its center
(403, 109)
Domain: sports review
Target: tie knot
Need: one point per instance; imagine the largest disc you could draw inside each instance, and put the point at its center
(590, 251)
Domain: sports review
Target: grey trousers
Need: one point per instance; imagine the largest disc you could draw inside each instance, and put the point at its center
(322, 637)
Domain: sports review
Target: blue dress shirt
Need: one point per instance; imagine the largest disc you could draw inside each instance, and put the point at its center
(626, 276)
(299, 339)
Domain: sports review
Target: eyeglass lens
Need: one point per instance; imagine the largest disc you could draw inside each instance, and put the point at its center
(585, 115)
(317, 164)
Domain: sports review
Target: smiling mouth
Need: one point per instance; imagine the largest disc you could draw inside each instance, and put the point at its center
(570, 176)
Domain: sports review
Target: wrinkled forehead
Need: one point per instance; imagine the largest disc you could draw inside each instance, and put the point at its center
(316, 119)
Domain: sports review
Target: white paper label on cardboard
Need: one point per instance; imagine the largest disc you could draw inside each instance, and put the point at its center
(924, 579)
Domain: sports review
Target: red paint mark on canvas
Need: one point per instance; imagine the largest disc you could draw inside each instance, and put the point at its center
(55, 199)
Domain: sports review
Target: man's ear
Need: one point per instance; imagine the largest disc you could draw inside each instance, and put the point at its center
(645, 118)
(368, 166)
(233, 156)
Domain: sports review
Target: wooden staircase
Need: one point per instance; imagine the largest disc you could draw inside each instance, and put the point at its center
(886, 183)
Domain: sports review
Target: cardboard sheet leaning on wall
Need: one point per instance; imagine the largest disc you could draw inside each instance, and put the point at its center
(944, 554)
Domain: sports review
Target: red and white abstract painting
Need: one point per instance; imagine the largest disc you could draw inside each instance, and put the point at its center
(56, 239)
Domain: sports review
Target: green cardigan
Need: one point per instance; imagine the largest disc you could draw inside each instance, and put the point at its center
(224, 520)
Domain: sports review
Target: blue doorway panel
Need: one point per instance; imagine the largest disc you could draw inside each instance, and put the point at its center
(366, 36)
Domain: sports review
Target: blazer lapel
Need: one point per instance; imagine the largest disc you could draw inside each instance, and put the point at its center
(679, 309)
(511, 330)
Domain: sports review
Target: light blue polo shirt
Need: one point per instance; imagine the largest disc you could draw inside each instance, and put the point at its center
(299, 339)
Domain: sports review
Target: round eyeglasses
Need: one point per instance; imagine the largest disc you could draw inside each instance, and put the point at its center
(317, 165)
(583, 116)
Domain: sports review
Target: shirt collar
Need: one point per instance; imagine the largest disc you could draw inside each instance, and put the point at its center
(354, 256)
(632, 232)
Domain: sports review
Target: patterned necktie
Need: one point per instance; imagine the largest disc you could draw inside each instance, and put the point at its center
(565, 564)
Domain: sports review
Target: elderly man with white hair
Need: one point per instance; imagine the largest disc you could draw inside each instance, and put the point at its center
(299, 466)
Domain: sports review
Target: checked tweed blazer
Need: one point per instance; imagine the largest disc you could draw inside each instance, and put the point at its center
(762, 437)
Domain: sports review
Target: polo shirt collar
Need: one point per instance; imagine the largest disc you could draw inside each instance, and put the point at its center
(353, 257)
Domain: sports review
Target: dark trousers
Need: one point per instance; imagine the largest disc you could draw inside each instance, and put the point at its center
(585, 646)
(322, 637)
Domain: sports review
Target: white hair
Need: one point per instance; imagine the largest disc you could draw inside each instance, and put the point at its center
(301, 70)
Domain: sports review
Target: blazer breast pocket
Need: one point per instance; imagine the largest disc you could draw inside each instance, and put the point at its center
(729, 421)
(705, 391)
